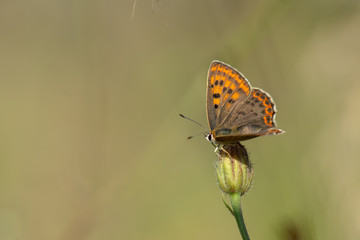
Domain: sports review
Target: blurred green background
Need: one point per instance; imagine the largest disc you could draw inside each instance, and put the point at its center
(92, 146)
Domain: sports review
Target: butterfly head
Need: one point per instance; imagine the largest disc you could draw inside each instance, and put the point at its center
(210, 137)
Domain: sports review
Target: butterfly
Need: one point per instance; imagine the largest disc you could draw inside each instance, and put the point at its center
(235, 110)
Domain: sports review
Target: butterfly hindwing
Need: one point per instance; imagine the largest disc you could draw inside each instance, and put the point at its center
(252, 118)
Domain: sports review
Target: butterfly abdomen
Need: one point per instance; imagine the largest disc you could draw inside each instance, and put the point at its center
(234, 135)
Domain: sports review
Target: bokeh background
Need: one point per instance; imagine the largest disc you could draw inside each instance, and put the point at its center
(92, 146)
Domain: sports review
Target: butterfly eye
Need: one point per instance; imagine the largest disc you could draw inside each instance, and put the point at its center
(209, 137)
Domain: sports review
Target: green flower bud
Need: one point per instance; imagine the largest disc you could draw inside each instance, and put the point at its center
(234, 169)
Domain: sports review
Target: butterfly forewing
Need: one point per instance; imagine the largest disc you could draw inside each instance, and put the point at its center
(227, 89)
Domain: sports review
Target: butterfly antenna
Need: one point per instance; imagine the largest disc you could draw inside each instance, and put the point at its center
(190, 137)
(192, 121)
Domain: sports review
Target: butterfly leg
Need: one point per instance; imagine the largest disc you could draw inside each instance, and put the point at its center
(218, 149)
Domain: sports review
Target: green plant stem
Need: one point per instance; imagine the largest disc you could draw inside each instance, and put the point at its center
(236, 207)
